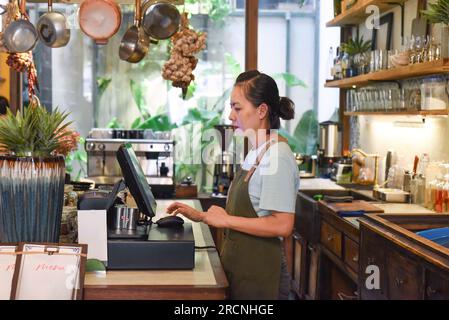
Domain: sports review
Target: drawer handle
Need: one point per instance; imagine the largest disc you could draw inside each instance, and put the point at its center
(399, 282)
(355, 258)
(330, 237)
(430, 291)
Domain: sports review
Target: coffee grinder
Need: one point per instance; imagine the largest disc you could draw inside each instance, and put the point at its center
(329, 150)
(224, 166)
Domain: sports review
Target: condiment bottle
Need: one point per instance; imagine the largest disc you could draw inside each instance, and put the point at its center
(445, 195)
(439, 196)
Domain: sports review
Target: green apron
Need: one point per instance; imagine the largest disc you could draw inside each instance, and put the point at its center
(252, 264)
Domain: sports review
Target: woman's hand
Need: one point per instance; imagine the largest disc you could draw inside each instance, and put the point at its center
(217, 217)
(187, 211)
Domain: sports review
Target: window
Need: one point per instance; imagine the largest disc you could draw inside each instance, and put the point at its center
(100, 90)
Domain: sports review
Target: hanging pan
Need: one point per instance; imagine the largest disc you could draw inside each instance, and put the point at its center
(20, 35)
(53, 29)
(100, 19)
(160, 20)
(135, 42)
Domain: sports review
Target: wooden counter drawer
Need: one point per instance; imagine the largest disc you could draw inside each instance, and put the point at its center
(404, 277)
(331, 238)
(351, 254)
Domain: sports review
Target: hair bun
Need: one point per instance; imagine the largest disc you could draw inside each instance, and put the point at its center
(286, 108)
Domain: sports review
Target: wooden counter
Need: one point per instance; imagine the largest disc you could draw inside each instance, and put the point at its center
(206, 281)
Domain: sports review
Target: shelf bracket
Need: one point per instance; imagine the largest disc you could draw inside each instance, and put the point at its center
(402, 5)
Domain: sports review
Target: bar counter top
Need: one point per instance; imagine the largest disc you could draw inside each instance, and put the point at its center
(206, 281)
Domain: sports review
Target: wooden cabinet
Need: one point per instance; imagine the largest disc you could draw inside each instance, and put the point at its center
(299, 266)
(437, 286)
(331, 238)
(372, 260)
(351, 254)
(409, 266)
(339, 256)
(312, 272)
(404, 277)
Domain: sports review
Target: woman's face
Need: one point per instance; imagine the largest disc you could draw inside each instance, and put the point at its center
(243, 114)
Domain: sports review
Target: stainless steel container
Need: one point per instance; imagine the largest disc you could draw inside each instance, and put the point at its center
(329, 139)
(131, 219)
(119, 212)
(125, 218)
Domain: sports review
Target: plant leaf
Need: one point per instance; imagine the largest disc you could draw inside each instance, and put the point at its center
(139, 99)
(232, 64)
(290, 79)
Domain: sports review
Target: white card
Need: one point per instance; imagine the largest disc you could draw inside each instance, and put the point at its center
(48, 277)
(7, 263)
(93, 231)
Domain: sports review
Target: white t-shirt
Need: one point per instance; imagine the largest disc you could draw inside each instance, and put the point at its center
(275, 183)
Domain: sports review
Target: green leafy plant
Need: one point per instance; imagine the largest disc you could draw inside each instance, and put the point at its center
(353, 47)
(36, 132)
(217, 10)
(290, 79)
(80, 157)
(305, 136)
(438, 12)
(204, 119)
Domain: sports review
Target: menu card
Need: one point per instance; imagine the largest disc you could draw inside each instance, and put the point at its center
(49, 272)
(7, 264)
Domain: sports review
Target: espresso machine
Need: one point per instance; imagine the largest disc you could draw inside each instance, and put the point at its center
(329, 148)
(154, 151)
(225, 164)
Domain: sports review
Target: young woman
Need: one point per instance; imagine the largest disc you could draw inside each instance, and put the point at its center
(261, 201)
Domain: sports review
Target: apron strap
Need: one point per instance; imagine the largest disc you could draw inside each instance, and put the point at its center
(260, 156)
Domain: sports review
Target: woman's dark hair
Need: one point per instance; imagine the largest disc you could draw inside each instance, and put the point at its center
(260, 88)
(4, 105)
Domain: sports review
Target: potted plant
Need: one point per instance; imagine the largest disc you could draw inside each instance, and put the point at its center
(356, 49)
(438, 12)
(32, 173)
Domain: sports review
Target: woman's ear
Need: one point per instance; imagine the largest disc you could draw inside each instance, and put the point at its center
(262, 110)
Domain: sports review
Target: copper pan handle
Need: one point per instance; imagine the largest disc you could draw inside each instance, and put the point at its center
(137, 13)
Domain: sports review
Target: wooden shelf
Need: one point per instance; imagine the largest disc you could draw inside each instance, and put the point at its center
(356, 14)
(410, 71)
(399, 113)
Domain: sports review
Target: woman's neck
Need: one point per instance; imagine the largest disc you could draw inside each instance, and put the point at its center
(262, 136)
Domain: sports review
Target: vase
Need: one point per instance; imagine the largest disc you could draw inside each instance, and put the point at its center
(32, 198)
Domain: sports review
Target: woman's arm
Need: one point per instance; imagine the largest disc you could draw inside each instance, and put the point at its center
(278, 224)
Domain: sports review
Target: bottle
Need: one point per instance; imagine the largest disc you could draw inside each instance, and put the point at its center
(423, 163)
(445, 194)
(429, 200)
(439, 195)
(163, 170)
(337, 65)
(420, 190)
(407, 180)
(345, 65)
(330, 64)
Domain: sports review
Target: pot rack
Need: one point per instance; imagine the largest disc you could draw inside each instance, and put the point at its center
(174, 2)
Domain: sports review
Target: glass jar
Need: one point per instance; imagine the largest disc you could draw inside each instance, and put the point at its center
(434, 93)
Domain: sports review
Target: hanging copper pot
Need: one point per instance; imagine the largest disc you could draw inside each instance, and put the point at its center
(100, 19)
